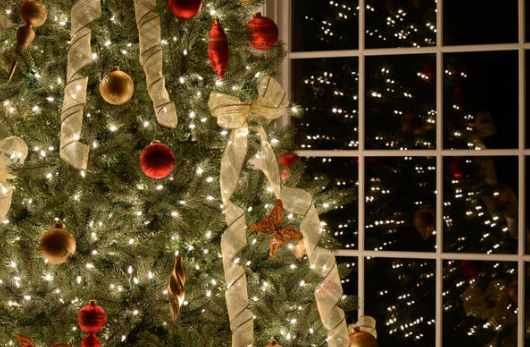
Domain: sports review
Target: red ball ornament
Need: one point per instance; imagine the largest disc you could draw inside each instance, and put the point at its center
(90, 341)
(185, 9)
(472, 268)
(92, 318)
(263, 32)
(286, 160)
(157, 160)
(218, 49)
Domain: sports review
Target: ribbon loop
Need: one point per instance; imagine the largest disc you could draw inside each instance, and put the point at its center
(11, 149)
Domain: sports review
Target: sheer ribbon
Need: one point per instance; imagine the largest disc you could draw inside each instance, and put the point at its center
(11, 149)
(73, 151)
(231, 113)
(148, 23)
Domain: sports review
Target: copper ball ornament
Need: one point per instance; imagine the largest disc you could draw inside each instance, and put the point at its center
(263, 32)
(117, 87)
(273, 344)
(362, 339)
(57, 245)
(512, 290)
(425, 222)
(33, 13)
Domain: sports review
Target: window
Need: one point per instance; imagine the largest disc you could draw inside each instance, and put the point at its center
(420, 105)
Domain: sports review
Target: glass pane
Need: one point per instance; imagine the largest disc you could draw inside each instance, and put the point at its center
(400, 23)
(479, 303)
(527, 99)
(400, 295)
(400, 102)
(527, 304)
(480, 204)
(349, 283)
(401, 204)
(324, 25)
(473, 22)
(339, 174)
(527, 207)
(481, 100)
(327, 88)
(527, 16)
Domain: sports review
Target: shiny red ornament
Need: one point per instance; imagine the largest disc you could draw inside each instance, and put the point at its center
(218, 49)
(92, 318)
(263, 32)
(90, 341)
(157, 160)
(185, 9)
(286, 160)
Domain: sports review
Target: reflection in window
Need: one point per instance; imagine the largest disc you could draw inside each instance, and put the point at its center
(400, 295)
(479, 303)
(327, 88)
(481, 100)
(400, 102)
(349, 272)
(472, 22)
(400, 23)
(324, 25)
(527, 304)
(400, 204)
(480, 204)
(338, 176)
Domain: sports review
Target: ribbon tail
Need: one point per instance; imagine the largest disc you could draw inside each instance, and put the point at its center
(148, 23)
(6, 193)
(268, 163)
(234, 240)
(328, 292)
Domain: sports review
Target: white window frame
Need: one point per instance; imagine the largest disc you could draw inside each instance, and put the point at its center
(280, 11)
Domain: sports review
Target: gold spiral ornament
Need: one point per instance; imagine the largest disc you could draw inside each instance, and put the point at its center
(175, 289)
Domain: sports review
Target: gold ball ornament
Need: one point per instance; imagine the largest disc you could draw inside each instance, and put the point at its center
(425, 222)
(33, 13)
(248, 2)
(57, 245)
(273, 344)
(362, 339)
(117, 87)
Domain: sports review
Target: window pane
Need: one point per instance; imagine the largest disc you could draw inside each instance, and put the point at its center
(400, 23)
(527, 105)
(472, 22)
(481, 100)
(400, 295)
(350, 282)
(527, 304)
(327, 88)
(479, 303)
(400, 204)
(400, 102)
(324, 25)
(527, 207)
(527, 16)
(480, 204)
(339, 174)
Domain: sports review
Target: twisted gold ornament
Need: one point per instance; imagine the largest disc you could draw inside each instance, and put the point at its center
(175, 288)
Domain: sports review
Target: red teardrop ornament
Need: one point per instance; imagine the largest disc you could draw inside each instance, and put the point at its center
(218, 49)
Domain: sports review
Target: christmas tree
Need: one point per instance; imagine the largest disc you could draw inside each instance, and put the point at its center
(118, 230)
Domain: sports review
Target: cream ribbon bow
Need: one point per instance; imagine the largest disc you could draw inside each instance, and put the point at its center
(231, 113)
(11, 148)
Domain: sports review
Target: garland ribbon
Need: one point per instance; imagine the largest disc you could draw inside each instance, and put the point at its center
(11, 148)
(148, 23)
(74, 152)
(231, 113)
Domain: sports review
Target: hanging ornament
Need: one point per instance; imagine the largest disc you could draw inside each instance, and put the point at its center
(457, 167)
(362, 339)
(117, 87)
(472, 268)
(263, 32)
(273, 344)
(218, 49)
(34, 14)
(271, 226)
(175, 289)
(185, 9)
(286, 160)
(512, 291)
(245, 1)
(92, 319)
(425, 222)
(26, 342)
(157, 160)
(57, 245)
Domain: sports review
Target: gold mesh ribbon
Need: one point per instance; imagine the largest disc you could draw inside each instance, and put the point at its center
(73, 151)
(11, 149)
(231, 113)
(175, 289)
(148, 23)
